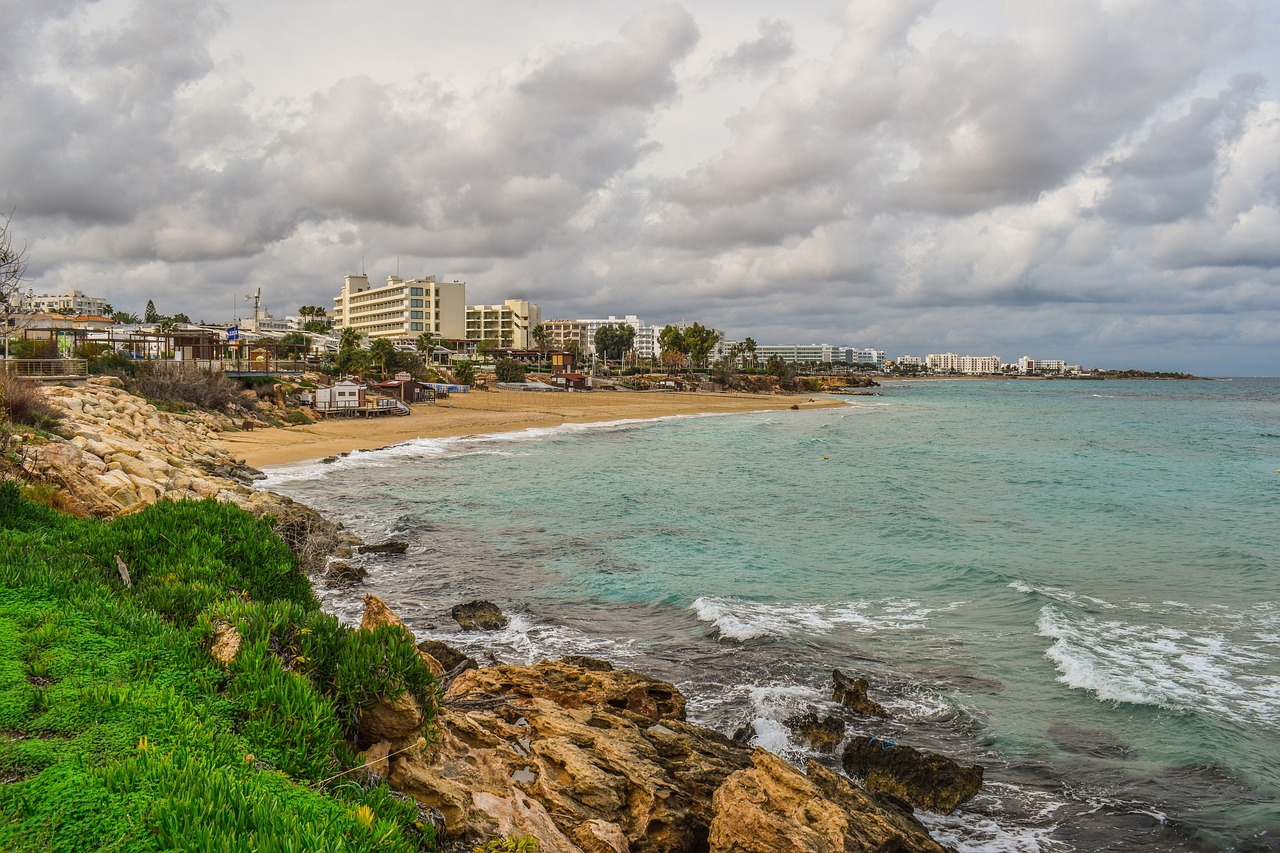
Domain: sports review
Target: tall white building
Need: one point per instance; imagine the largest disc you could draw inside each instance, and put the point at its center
(799, 353)
(979, 364)
(946, 362)
(402, 309)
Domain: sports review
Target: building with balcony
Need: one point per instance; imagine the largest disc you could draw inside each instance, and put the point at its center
(509, 325)
(564, 334)
(402, 310)
(71, 302)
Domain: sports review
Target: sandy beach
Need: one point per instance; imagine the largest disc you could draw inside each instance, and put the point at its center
(488, 412)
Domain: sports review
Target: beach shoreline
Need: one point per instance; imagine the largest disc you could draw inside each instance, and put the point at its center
(488, 412)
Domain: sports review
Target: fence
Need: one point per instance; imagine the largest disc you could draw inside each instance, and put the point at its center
(46, 367)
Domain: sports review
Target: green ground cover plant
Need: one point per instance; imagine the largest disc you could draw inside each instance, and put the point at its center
(118, 731)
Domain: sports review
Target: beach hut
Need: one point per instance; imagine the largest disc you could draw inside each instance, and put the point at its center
(345, 395)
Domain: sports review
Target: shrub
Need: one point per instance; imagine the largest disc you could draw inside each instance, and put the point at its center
(22, 402)
(509, 370)
(203, 388)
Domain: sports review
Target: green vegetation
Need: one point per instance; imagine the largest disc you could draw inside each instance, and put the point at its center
(119, 731)
(509, 370)
(465, 372)
(511, 844)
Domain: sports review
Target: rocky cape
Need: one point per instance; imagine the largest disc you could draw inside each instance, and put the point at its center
(581, 756)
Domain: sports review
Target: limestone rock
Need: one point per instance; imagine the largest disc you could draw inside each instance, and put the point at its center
(852, 693)
(390, 719)
(821, 733)
(226, 644)
(374, 765)
(479, 616)
(923, 779)
(773, 808)
(572, 686)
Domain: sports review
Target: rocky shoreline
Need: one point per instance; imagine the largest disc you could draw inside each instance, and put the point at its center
(581, 756)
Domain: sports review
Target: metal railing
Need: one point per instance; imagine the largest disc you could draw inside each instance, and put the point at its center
(46, 367)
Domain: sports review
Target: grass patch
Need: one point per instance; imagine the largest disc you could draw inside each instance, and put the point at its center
(117, 729)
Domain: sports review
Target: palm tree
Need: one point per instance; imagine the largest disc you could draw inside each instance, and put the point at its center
(381, 351)
(350, 338)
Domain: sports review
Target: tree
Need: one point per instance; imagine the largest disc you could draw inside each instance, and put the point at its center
(749, 351)
(381, 352)
(783, 372)
(301, 343)
(465, 372)
(13, 270)
(124, 317)
(509, 370)
(540, 336)
(614, 339)
(671, 339)
(312, 311)
(316, 327)
(350, 338)
(150, 315)
(181, 318)
(699, 342)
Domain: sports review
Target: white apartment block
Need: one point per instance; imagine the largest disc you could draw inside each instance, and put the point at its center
(402, 309)
(510, 324)
(1028, 366)
(71, 302)
(799, 353)
(979, 364)
(946, 362)
(865, 357)
(909, 361)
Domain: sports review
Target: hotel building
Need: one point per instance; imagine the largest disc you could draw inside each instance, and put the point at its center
(401, 309)
(510, 324)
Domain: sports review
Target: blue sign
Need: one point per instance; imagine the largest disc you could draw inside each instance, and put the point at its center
(233, 333)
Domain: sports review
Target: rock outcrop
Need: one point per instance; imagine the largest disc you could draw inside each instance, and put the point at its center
(479, 616)
(820, 733)
(773, 808)
(852, 693)
(925, 780)
(587, 759)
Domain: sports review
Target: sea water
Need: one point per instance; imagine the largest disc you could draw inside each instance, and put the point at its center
(1072, 583)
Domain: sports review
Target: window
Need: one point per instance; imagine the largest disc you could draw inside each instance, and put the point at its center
(415, 291)
(415, 327)
(415, 303)
(415, 315)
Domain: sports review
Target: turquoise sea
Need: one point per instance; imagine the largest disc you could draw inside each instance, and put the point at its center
(1073, 583)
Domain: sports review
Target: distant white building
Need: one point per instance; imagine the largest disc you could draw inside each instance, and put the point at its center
(864, 357)
(909, 361)
(511, 324)
(945, 362)
(71, 302)
(1028, 366)
(645, 344)
(979, 364)
(800, 353)
(402, 309)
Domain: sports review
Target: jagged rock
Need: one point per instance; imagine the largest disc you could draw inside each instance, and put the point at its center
(530, 762)
(821, 733)
(923, 779)
(345, 573)
(385, 548)
(479, 616)
(226, 644)
(773, 808)
(572, 686)
(449, 657)
(852, 693)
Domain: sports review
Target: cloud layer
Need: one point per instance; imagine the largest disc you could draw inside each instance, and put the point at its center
(1094, 182)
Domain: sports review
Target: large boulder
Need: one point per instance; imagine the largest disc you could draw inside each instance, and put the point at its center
(479, 616)
(571, 685)
(852, 693)
(773, 808)
(449, 657)
(923, 779)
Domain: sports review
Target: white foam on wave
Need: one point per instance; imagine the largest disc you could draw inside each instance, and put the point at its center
(420, 449)
(1058, 594)
(738, 619)
(525, 640)
(1200, 669)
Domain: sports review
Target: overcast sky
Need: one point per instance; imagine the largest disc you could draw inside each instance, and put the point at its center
(1094, 181)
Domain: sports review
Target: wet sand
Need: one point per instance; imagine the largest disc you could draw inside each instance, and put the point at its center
(488, 412)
